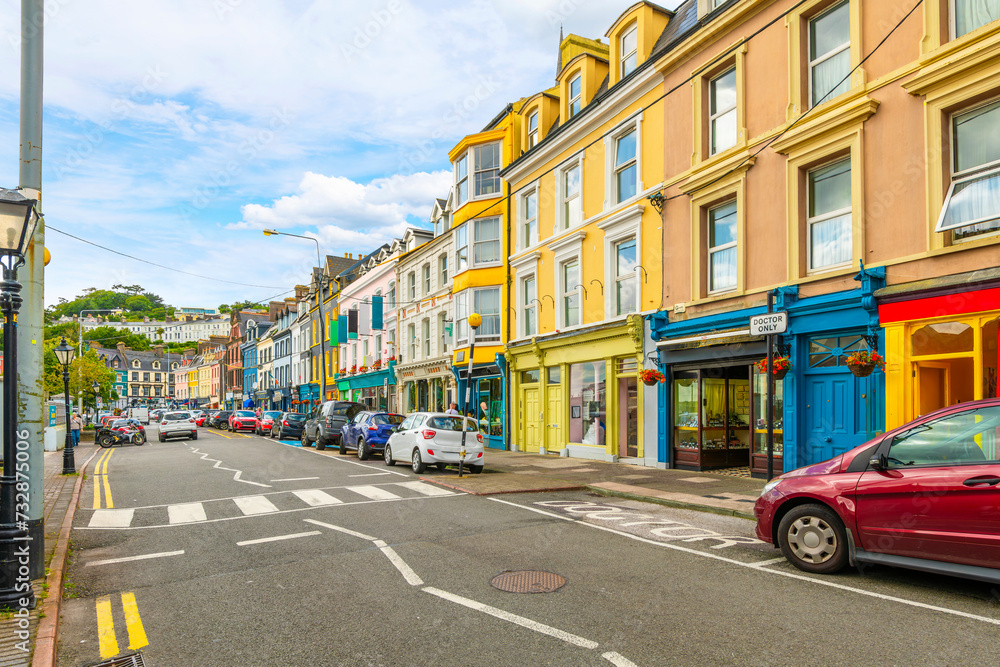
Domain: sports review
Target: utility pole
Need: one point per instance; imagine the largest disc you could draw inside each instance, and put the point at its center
(29, 326)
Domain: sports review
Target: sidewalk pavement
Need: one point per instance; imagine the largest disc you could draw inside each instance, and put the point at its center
(518, 472)
(60, 496)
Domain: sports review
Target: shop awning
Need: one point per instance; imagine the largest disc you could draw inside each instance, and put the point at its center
(704, 340)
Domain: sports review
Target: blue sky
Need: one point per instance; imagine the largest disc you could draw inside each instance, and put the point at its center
(176, 131)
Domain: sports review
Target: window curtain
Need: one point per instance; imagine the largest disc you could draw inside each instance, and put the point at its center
(831, 242)
(972, 14)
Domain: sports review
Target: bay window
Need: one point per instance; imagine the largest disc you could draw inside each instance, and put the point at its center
(461, 180)
(486, 302)
(486, 241)
(486, 175)
(461, 248)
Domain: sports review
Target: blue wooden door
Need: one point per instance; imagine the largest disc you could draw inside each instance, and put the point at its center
(838, 413)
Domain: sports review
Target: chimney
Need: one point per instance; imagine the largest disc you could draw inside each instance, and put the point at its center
(145, 319)
(121, 347)
(158, 349)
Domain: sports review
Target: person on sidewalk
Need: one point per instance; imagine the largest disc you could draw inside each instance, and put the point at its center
(75, 424)
(452, 409)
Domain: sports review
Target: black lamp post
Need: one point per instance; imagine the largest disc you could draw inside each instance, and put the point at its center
(64, 353)
(475, 319)
(18, 219)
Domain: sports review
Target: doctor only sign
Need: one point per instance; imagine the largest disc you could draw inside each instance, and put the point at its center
(768, 324)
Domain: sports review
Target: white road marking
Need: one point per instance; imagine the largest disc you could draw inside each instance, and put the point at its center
(373, 492)
(513, 618)
(250, 505)
(111, 561)
(316, 498)
(295, 479)
(767, 563)
(618, 659)
(371, 474)
(347, 531)
(111, 518)
(278, 538)
(353, 462)
(404, 569)
(186, 513)
(780, 573)
(218, 464)
(425, 489)
(537, 511)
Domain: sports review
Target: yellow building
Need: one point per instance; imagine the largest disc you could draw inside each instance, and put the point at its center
(586, 246)
(481, 233)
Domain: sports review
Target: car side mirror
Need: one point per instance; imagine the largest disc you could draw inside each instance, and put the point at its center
(879, 462)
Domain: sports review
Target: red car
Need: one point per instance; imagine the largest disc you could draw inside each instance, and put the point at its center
(200, 420)
(243, 420)
(924, 496)
(266, 421)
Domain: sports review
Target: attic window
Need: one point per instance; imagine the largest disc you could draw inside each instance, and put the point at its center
(532, 129)
(629, 51)
(575, 96)
(135, 364)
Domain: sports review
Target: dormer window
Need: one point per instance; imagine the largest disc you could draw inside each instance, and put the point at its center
(532, 129)
(629, 51)
(135, 364)
(575, 95)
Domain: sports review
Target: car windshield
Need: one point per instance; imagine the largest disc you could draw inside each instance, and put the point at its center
(393, 420)
(295, 417)
(271, 415)
(244, 413)
(176, 416)
(451, 424)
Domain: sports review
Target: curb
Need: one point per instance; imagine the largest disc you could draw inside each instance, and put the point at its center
(47, 635)
(711, 509)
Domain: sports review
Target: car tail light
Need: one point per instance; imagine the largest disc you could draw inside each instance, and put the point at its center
(284, 423)
(427, 433)
(479, 455)
(479, 437)
(372, 427)
(163, 423)
(431, 452)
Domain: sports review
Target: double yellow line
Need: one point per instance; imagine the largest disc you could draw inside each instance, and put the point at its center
(101, 473)
(106, 625)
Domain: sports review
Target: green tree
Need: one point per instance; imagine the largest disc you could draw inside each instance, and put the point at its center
(139, 303)
(83, 373)
(111, 336)
(248, 305)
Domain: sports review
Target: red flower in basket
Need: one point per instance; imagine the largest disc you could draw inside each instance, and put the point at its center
(354, 369)
(377, 363)
(780, 365)
(865, 358)
(651, 376)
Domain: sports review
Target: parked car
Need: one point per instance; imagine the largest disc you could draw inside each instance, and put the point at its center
(326, 422)
(220, 419)
(142, 414)
(435, 438)
(200, 419)
(368, 432)
(243, 420)
(288, 426)
(923, 496)
(266, 421)
(178, 423)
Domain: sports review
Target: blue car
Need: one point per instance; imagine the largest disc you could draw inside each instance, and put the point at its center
(368, 432)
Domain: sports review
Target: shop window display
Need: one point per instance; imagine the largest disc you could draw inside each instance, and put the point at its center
(760, 422)
(712, 418)
(588, 404)
(490, 408)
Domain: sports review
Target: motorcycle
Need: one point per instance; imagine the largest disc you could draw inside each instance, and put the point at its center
(131, 433)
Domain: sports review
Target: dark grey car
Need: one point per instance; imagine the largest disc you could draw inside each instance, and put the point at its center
(326, 422)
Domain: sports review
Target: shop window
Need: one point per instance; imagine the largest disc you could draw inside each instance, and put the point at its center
(722, 111)
(968, 15)
(942, 338)
(490, 409)
(829, 54)
(972, 205)
(530, 377)
(760, 417)
(587, 403)
(991, 357)
(722, 248)
(553, 374)
(712, 418)
(829, 216)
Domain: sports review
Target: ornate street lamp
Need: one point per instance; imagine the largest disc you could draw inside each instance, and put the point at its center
(475, 319)
(65, 353)
(18, 219)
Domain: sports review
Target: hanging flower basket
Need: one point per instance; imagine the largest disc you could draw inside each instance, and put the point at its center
(863, 363)
(651, 376)
(295, 401)
(317, 402)
(779, 366)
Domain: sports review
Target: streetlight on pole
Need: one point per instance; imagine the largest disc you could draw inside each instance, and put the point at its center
(64, 353)
(18, 219)
(475, 319)
(322, 326)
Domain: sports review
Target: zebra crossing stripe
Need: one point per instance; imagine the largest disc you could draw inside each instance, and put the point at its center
(186, 513)
(316, 498)
(373, 492)
(425, 489)
(250, 505)
(111, 518)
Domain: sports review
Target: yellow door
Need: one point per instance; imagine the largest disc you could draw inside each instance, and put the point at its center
(531, 419)
(554, 418)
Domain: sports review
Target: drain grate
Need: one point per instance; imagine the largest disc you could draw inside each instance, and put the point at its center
(132, 660)
(528, 581)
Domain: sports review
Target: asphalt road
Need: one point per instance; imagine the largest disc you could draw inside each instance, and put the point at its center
(239, 550)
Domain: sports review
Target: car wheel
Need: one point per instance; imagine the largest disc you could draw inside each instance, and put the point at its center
(305, 439)
(320, 442)
(105, 441)
(388, 456)
(418, 465)
(813, 539)
(441, 466)
(341, 445)
(476, 469)
(194, 435)
(162, 438)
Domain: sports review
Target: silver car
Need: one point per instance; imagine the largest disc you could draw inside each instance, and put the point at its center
(434, 438)
(178, 423)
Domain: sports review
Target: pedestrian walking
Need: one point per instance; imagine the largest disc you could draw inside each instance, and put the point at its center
(452, 409)
(75, 424)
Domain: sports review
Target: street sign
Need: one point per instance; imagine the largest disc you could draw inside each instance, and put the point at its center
(769, 323)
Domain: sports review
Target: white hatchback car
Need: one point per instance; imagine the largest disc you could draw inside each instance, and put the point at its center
(178, 423)
(434, 438)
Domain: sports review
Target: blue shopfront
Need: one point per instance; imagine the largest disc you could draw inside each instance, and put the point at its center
(487, 401)
(713, 407)
(308, 395)
(375, 390)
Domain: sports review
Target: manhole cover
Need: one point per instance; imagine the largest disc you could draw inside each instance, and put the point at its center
(528, 581)
(131, 660)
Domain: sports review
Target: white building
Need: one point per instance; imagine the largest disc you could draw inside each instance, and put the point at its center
(174, 331)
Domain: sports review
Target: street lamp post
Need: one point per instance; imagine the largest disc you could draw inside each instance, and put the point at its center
(18, 219)
(64, 353)
(475, 319)
(322, 326)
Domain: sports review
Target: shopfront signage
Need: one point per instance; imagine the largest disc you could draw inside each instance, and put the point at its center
(768, 324)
